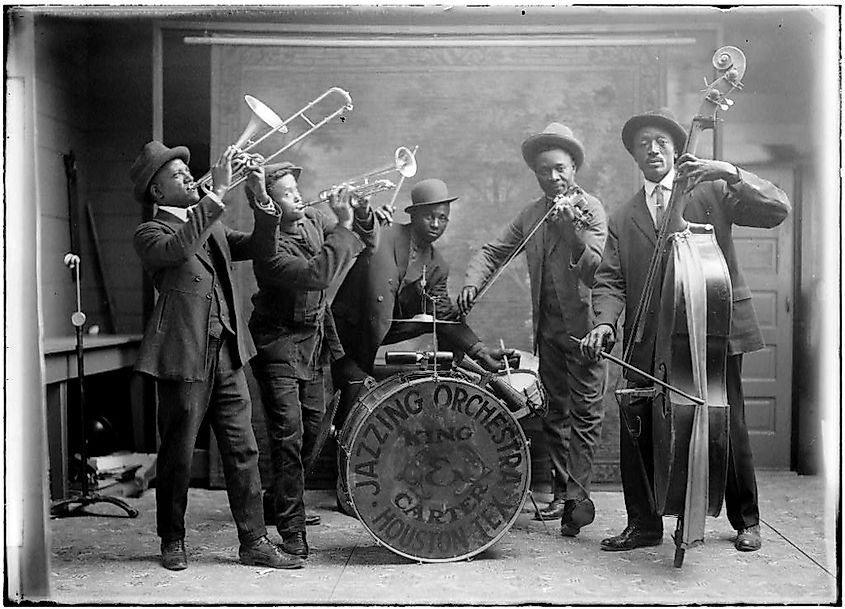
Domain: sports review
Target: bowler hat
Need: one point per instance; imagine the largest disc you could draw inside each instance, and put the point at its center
(275, 171)
(555, 135)
(662, 118)
(154, 155)
(429, 192)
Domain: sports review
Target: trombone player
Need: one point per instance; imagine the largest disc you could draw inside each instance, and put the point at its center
(196, 343)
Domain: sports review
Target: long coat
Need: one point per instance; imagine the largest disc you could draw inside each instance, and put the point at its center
(621, 275)
(171, 251)
(572, 282)
(370, 295)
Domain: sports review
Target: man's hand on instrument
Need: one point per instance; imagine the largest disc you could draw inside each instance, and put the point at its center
(361, 205)
(491, 360)
(562, 211)
(221, 172)
(467, 298)
(340, 203)
(705, 170)
(384, 214)
(563, 215)
(255, 182)
(500, 354)
(600, 338)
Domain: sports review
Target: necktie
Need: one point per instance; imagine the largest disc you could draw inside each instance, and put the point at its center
(660, 206)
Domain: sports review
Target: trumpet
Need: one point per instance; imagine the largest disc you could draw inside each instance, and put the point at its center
(363, 186)
(242, 166)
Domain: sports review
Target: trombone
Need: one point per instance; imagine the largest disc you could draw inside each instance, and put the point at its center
(404, 162)
(263, 114)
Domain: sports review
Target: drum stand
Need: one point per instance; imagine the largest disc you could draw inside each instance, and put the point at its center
(62, 507)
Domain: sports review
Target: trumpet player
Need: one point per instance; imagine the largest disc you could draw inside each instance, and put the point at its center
(563, 255)
(293, 328)
(196, 344)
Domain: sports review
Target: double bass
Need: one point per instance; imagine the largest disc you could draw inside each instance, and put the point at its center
(689, 282)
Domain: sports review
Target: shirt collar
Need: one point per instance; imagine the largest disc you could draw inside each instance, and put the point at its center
(666, 183)
(179, 212)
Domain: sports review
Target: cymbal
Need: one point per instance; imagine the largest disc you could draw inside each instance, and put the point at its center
(424, 318)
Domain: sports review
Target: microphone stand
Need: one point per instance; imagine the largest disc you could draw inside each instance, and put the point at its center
(62, 507)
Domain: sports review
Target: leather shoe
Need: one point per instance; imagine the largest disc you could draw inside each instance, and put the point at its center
(553, 511)
(632, 537)
(295, 543)
(577, 513)
(748, 540)
(173, 555)
(264, 552)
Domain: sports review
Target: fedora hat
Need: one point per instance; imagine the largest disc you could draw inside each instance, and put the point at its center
(271, 169)
(154, 155)
(554, 135)
(429, 192)
(662, 118)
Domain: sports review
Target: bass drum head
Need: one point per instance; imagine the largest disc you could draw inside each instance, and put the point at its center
(436, 470)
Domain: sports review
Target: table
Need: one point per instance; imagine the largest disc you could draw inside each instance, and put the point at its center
(103, 353)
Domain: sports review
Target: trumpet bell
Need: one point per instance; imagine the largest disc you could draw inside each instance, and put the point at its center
(261, 115)
(406, 162)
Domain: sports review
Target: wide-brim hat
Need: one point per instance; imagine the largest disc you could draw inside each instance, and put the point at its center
(281, 168)
(662, 118)
(555, 135)
(154, 155)
(429, 192)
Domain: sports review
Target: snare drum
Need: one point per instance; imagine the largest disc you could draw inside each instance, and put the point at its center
(437, 470)
(527, 383)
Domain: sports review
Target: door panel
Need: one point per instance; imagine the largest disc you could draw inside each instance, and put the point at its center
(767, 262)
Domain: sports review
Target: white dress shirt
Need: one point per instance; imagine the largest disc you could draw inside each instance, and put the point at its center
(651, 192)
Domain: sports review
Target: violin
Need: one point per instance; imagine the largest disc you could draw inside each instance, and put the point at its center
(582, 219)
(574, 196)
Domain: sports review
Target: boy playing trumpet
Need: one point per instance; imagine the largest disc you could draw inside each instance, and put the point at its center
(293, 328)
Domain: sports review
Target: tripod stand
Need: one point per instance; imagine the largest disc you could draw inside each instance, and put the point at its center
(62, 507)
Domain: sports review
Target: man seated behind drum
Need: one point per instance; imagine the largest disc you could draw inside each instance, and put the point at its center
(404, 276)
(294, 332)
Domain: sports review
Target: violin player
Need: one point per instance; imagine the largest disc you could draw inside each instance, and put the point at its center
(196, 343)
(562, 256)
(294, 331)
(721, 195)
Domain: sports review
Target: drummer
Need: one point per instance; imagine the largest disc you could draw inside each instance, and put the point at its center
(404, 276)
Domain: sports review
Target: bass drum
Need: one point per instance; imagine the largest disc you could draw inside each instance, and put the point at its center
(436, 469)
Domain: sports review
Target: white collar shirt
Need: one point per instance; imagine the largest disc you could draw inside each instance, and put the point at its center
(179, 212)
(651, 191)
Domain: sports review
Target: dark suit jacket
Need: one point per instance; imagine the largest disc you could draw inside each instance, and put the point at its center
(621, 275)
(291, 324)
(176, 338)
(370, 297)
(572, 282)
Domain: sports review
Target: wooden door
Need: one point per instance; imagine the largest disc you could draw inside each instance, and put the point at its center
(766, 257)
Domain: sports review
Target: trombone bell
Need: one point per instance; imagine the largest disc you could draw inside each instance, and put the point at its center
(405, 162)
(261, 113)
